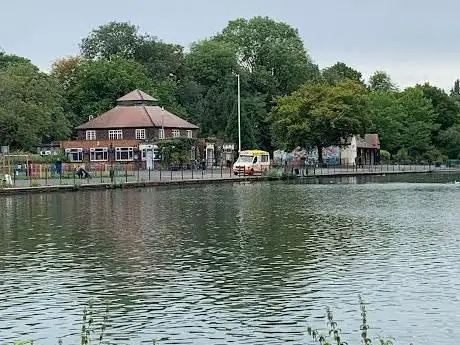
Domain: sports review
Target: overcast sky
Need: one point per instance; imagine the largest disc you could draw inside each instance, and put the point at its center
(413, 40)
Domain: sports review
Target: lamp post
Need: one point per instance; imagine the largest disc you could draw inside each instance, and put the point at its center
(239, 115)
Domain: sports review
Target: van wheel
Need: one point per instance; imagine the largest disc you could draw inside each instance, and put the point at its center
(236, 174)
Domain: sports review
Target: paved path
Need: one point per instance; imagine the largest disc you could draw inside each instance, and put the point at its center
(217, 173)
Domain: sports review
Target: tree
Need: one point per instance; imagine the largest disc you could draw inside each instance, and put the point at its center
(211, 61)
(113, 38)
(456, 88)
(339, 73)
(99, 83)
(447, 111)
(274, 46)
(321, 115)
(63, 70)
(418, 121)
(381, 81)
(161, 60)
(387, 116)
(450, 141)
(30, 106)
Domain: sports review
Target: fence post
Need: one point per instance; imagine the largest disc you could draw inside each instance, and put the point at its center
(126, 172)
(101, 175)
(202, 171)
(182, 171)
(171, 172)
(149, 173)
(60, 176)
(193, 168)
(221, 169)
(138, 173)
(160, 171)
(74, 182)
(46, 176)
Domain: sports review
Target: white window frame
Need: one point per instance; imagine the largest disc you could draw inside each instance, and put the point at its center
(115, 134)
(175, 133)
(161, 133)
(93, 154)
(120, 150)
(72, 151)
(140, 134)
(189, 133)
(90, 135)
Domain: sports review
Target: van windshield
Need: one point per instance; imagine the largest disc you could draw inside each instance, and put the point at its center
(245, 159)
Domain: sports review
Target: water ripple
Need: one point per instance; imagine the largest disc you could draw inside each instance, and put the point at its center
(243, 264)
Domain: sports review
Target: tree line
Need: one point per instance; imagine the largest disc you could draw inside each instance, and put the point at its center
(287, 101)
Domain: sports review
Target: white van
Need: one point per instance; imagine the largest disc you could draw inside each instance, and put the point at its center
(251, 162)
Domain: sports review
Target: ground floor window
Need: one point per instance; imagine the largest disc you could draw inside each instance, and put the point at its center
(98, 154)
(74, 154)
(124, 153)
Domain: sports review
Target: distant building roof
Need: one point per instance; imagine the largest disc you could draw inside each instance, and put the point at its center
(137, 95)
(138, 115)
(369, 141)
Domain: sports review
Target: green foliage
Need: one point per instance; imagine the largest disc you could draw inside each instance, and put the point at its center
(320, 115)
(313, 108)
(276, 47)
(385, 155)
(113, 38)
(31, 105)
(99, 83)
(334, 335)
(175, 150)
(380, 81)
(340, 72)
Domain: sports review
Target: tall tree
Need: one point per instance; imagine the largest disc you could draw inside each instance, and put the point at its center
(63, 70)
(274, 46)
(387, 116)
(113, 38)
(340, 72)
(447, 111)
(30, 106)
(320, 115)
(99, 83)
(210, 62)
(418, 121)
(381, 81)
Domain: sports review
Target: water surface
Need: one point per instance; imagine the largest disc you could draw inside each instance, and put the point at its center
(239, 263)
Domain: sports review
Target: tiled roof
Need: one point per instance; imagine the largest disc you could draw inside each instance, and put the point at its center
(370, 141)
(139, 116)
(136, 95)
(87, 144)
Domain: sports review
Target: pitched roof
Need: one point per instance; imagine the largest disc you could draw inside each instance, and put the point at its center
(369, 141)
(139, 116)
(136, 95)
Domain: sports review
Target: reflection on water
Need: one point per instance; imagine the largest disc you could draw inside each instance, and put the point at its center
(244, 264)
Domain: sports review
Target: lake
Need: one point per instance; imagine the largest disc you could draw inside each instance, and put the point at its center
(249, 263)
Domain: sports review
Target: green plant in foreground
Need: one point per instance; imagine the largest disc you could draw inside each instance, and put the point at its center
(334, 334)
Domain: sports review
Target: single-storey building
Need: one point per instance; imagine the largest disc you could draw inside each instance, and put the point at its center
(356, 150)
